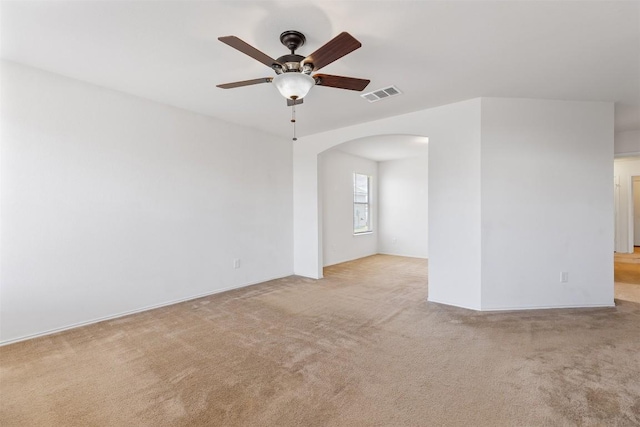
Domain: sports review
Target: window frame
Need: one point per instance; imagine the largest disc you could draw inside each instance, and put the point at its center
(369, 228)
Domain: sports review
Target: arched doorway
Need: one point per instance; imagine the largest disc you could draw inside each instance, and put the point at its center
(391, 199)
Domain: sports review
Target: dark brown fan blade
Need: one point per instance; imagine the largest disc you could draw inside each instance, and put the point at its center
(247, 49)
(291, 102)
(340, 82)
(245, 83)
(336, 48)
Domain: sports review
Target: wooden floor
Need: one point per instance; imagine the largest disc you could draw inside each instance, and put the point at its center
(627, 276)
(633, 258)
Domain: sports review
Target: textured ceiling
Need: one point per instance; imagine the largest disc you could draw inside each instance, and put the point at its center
(435, 52)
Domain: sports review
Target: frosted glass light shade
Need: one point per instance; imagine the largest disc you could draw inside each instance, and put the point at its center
(294, 85)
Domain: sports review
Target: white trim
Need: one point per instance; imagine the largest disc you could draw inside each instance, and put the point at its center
(616, 211)
(369, 203)
(130, 312)
(452, 304)
(630, 215)
(403, 255)
(349, 260)
(623, 155)
(365, 256)
(539, 307)
(548, 307)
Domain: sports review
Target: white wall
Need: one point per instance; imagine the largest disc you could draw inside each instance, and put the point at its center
(546, 203)
(624, 169)
(336, 178)
(627, 143)
(521, 188)
(447, 127)
(403, 208)
(111, 203)
(454, 211)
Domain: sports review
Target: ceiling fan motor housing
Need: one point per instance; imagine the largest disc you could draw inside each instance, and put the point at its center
(292, 39)
(291, 62)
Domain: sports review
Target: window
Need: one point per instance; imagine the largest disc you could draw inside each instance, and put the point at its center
(361, 203)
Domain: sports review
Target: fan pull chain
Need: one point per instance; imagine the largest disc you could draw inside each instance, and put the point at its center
(293, 120)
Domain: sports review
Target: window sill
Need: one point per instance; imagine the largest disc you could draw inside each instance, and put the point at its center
(364, 233)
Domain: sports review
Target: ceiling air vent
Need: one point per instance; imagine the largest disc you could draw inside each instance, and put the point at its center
(379, 94)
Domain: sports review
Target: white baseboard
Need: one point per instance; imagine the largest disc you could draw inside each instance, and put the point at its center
(547, 307)
(522, 308)
(623, 155)
(129, 312)
(350, 259)
(371, 254)
(452, 304)
(403, 255)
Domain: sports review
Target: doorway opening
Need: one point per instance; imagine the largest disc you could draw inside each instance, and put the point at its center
(627, 244)
(396, 167)
(635, 206)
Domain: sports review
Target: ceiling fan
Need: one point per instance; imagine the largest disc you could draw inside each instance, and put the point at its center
(293, 72)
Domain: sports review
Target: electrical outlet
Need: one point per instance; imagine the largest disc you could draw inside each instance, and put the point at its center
(236, 263)
(564, 278)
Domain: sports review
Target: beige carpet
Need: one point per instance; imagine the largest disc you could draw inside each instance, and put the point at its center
(359, 348)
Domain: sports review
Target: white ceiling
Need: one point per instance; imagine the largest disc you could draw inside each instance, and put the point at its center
(381, 148)
(435, 52)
